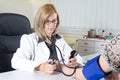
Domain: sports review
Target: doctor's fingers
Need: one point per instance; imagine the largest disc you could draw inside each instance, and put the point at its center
(73, 60)
(56, 61)
(51, 67)
(72, 64)
(49, 71)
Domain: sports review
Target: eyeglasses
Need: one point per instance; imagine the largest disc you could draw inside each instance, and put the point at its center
(54, 21)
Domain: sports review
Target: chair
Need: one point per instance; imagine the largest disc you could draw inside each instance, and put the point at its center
(12, 26)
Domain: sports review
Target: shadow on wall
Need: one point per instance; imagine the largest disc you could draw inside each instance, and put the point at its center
(25, 7)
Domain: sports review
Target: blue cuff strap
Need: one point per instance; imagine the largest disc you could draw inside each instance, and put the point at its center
(92, 70)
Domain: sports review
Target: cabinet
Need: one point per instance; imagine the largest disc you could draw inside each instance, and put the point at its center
(91, 46)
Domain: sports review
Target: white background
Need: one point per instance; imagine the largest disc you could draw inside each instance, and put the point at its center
(78, 16)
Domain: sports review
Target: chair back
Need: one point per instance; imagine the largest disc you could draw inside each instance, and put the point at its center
(12, 27)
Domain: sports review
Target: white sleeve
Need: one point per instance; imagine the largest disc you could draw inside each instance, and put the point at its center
(22, 57)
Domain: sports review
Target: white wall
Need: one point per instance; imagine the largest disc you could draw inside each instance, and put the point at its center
(25, 7)
(78, 16)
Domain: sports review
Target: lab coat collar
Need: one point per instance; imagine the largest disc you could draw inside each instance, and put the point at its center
(54, 38)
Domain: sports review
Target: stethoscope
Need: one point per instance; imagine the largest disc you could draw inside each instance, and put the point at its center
(74, 54)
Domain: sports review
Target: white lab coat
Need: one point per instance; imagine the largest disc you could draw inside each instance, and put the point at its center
(32, 53)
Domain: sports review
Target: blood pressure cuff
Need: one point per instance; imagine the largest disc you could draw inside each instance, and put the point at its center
(92, 70)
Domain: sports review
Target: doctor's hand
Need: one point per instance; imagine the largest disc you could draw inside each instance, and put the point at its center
(72, 62)
(49, 68)
(46, 67)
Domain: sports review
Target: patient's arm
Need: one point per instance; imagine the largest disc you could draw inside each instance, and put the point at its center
(103, 65)
(107, 62)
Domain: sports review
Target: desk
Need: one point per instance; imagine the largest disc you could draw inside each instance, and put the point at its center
(24, 75)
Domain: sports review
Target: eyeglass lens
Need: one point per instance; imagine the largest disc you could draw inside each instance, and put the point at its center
(54, 21)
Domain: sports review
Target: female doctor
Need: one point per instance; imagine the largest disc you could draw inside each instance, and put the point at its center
(39, 48)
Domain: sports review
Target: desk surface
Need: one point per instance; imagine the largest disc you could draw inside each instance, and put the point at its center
(24, 75)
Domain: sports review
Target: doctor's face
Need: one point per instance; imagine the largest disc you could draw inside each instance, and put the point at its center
(50, 24)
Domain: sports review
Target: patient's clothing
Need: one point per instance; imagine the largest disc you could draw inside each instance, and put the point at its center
(112, 53)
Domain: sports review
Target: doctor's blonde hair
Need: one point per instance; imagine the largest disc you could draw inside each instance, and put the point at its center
(43, 13)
